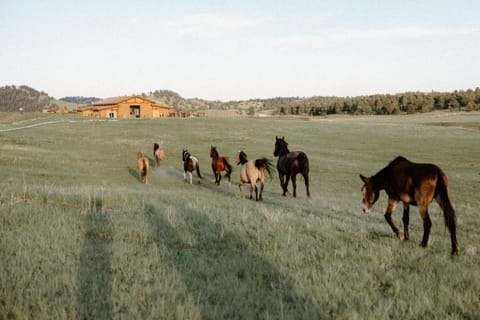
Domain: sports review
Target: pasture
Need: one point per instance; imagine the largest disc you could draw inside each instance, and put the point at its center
(82, 238)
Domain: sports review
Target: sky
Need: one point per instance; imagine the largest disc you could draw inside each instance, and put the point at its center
(239, 50)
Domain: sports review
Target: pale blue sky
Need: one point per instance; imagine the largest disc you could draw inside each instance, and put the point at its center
(228, 50)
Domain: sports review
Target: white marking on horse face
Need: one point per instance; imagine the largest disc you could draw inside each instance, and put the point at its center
(367, 205)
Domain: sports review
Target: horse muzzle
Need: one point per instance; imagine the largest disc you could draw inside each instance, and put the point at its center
(366, 210)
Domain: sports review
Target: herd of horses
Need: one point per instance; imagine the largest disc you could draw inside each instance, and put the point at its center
(410, 183)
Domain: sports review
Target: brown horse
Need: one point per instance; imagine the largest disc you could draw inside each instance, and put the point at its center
(253, 171)
(289, 164)
(158, 154)
(413, 184)
(219, 164)
(142, 164)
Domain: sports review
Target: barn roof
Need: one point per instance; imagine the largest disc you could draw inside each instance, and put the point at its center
(116, 100)
(105, 103)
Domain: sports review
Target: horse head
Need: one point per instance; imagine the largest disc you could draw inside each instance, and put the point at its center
(185, 154)
(242, 157)
(281, 147)
(213, 152)
(369, 193)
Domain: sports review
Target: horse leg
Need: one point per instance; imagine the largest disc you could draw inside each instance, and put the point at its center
(256, 192)
(190, 177)
(427, 223)
(406, 220)
(285, 186)
(307, 184)
(282, 181)
(392, 204)
(251, 190)
(294, 184)
(219, 177)
(261, 190)
(185, 175)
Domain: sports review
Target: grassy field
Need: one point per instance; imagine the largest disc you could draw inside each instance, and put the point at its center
(82, 238)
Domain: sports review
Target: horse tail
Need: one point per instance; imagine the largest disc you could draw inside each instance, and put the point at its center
(144, 167)
(227, 165)
(197, 167)
(443, 199)
(264, 163)
(303, 161)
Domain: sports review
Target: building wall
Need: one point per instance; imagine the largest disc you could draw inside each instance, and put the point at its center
(123, 110)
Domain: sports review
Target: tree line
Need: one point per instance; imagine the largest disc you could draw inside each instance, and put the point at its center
(380, 104)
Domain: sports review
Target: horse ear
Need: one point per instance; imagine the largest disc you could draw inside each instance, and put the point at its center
(283, 138)
(364, 179)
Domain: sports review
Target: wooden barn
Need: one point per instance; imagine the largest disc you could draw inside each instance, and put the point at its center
(125, 107)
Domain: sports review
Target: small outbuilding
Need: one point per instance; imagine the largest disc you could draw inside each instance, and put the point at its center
(125, 107)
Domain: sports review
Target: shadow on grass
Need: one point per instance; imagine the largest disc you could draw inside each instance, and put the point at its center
(230, 281)
(134, 173)
(94, 274)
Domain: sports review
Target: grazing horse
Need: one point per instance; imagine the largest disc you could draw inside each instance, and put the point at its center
(219, 164)
(413, 184)
(158, 154)
(190, 163)
(289, 164)
(253, 171)
(142, 164)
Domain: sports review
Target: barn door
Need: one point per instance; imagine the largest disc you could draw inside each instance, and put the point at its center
(135, 111)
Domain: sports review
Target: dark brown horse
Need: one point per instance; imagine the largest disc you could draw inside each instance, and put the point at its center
(289, 164)
(412, 184)
(219, 164)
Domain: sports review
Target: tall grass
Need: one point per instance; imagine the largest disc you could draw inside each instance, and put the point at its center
(81, 237)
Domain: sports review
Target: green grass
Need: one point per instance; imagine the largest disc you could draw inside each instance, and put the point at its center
(82, 238)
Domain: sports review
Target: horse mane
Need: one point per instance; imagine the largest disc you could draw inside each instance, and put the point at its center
(242, 157)
(382, 176)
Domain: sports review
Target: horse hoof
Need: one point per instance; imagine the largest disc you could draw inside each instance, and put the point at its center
(401, 236)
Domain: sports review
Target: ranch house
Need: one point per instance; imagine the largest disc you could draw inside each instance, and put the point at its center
(125, 107)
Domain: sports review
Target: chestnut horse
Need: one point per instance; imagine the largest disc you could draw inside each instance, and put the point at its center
(412, 184)
(253, 171)
(289, 164)
(142, 164)
(219, 164)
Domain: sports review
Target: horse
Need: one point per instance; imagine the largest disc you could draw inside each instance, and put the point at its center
(142, 164)
(219, 164)
(414, 184)
(289, 164)
(190, 163)
(158, 154)
(253, 171)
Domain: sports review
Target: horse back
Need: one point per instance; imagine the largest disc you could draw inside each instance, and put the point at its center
(293, 162)
(412, 182)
